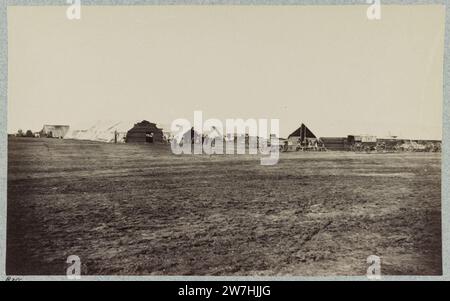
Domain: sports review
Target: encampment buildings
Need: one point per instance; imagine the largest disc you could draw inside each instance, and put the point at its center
(144, 132)
(54, 131)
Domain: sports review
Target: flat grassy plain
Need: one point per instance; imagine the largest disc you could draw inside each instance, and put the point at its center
(139, 210)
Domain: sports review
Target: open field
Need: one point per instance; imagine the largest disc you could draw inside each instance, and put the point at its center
(138, 209)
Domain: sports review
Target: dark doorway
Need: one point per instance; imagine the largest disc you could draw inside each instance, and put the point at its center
(149, 137)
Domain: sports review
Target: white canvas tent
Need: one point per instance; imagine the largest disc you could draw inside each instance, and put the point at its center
(104, 131)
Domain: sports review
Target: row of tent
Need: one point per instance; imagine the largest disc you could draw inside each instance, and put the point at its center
(148, 132)
(107, 131)
(133, 131)
(144, 131)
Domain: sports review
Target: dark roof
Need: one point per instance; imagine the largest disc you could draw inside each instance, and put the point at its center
(143, 127)
(302, 132)
(145, 123)
(192, 132)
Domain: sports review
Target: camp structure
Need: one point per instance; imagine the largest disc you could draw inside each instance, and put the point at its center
(191, 136)
(335, 143)
(302, 135)
(144, 132)
(362, 142)
(212, 133)
(54, 131)
(103, 131)
(168, 135)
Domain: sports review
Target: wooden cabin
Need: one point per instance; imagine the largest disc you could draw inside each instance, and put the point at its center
(144, 132)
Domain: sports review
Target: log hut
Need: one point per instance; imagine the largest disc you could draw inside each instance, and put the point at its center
(144, 132)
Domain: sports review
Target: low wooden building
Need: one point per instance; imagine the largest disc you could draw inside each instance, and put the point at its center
(335, 143)
(144, 132)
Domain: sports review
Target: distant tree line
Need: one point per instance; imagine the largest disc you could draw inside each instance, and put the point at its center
(28, 133)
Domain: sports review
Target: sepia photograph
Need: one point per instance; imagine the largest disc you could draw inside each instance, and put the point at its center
(225, 140)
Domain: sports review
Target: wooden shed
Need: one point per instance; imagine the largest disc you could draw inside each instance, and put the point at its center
(144, 132)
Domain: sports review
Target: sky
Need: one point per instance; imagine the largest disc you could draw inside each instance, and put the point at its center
(326, 66)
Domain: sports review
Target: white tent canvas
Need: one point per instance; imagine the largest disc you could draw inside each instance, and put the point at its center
(104, 131)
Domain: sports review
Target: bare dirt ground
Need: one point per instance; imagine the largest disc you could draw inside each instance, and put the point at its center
(139, 210)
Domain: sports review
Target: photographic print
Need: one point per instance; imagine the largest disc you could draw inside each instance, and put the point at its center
(224, 140)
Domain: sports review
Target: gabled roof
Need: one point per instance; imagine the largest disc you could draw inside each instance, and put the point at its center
(144, 125)
(191, 134)
(212, 133)
(302, 132)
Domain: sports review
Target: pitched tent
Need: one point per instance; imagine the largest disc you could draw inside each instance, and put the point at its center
(302, 134)
(54, 131)
(213, 133)
(104, 131)
(145, 132)
(191, 136)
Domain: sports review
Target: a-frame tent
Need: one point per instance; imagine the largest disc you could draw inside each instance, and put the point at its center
(302, 133)
(192, 136)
